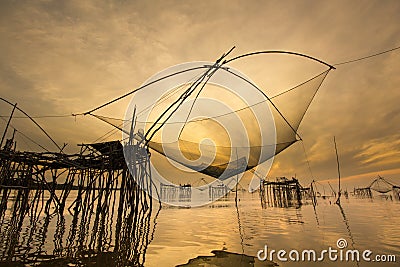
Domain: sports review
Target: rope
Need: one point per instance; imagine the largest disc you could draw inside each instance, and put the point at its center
(106, 135)
(137, 89)
(227, 61)
(362, 58)
(183, 97)
(280, 52)
(30, 139)
(41, 116)
(308, 162)
(227, 113)
(37, 124)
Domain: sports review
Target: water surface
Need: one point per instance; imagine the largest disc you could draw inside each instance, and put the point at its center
(221, 234)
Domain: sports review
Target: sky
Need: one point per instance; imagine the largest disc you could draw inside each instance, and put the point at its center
(64, 57)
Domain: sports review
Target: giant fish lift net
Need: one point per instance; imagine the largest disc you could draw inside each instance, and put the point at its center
(215, 130)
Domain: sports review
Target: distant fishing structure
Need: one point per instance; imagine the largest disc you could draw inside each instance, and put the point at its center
(283, 193)
(379, 185)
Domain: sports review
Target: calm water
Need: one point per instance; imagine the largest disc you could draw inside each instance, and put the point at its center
(174, 236)
(183, 234)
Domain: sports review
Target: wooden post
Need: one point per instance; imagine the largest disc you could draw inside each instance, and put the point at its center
(338, 167)
(8, 124)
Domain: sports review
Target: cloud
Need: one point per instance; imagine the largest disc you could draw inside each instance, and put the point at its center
(381, 151)
(365, 179)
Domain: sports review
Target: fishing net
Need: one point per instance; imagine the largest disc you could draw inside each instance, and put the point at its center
(381, 185)
(221, 126)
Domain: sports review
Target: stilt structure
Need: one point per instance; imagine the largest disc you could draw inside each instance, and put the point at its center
(308, 193)
(362, 192)
(281, 193)
(379, 185)
(173, 193)
(396, 192)
(109, 212)
(217, 191)
(263, 197)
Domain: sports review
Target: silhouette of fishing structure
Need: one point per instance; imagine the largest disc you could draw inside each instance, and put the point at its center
(183, 192)
(284, 192)
(290, 193)
(218, 191)
(381, 186)
(362, 192)
(396, 192)
(109, 213)
(173, 193)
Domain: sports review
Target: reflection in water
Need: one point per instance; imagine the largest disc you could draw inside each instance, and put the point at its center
(105, 229)
(226, 259)
(108, 226)
(93, 211)
(346, 221)
(100, 216)
(316, 214)
(238, 217)
(184, 234)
